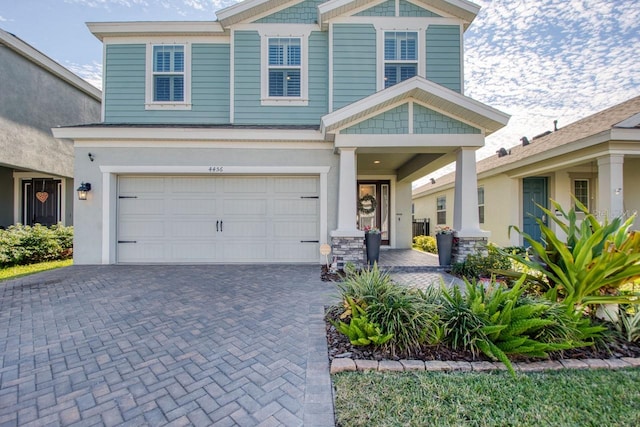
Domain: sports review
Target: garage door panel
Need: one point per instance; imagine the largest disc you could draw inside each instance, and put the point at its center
(196, 207)
(147, 185)
(245, 185)
(296, 207)
(301, 230)
(244, 252)
(295, 252)
(196, 185)
(189, 228)
(250, 229)
(194, 252)
(247, 207)
(295, 185)
(133, 229)
(141, 251)
(141, 206)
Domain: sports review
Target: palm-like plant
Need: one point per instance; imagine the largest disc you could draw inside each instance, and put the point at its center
(595, 257)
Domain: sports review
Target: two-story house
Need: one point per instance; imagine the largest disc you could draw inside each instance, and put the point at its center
(279, 127)
(36, 169)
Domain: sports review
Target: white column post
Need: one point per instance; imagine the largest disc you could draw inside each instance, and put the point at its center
(610, 185)
(347, 195)
(465, 208)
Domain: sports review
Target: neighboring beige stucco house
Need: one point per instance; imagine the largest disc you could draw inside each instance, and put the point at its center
(36, 169)
(596, 158)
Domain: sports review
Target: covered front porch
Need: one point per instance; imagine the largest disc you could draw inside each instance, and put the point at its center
(391, 138)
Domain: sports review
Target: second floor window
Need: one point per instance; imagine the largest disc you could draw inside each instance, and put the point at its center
(441, 210)
(285, 67)
(168, 74)
(400, 56)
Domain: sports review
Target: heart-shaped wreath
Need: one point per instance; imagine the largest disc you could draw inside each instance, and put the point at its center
(369, 200)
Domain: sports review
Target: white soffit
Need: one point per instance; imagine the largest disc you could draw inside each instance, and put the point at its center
(128, 29)
(245, 10)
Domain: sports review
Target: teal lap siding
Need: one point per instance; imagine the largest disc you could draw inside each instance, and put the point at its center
(248, 109)
(443, 56)
(354, 63)
(124, 96)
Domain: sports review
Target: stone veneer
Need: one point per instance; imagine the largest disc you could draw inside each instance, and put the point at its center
(348, 249)
(464, 246)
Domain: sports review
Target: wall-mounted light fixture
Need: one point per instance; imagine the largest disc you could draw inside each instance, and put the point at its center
(84, 188)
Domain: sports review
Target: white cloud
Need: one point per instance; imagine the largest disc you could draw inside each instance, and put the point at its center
(92, 73)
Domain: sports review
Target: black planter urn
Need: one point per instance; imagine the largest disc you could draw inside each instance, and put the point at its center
(372, 242)
(445, 247)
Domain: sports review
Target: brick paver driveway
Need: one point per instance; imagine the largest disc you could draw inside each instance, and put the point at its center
(157, 345)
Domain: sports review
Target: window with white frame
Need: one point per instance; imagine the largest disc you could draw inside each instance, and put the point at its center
(481, 204)
(168, 81)
(581, 191)
(284, 69)
(441, 210)
(400, 56)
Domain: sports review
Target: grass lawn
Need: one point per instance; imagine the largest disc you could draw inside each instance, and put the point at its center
(555, 398)
(24, 270)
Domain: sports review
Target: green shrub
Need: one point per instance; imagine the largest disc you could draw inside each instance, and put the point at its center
(360, 330)
(426, 243)
(23, 244)
(479, 265)
(590, 265)
(399, 311)
(500, 322)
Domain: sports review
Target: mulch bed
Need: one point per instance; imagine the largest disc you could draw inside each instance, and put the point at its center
(339, 345)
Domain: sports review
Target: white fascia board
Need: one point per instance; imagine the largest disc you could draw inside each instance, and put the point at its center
(405, 89)
(237, 8)
(398, 142)
(27, 51)
(187, 134)
(625, 134)
(206, 169)
(123, 29)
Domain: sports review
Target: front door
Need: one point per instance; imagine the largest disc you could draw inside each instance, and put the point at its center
(534, 192)
(41, 201)
(374, 207)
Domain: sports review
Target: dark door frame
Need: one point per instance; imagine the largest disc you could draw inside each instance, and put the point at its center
(379, 183)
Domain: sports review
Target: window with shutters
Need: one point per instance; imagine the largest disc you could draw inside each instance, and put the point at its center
(400, 56)
(168, 82)
(284, 71)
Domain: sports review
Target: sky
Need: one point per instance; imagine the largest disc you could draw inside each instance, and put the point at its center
(537, 60)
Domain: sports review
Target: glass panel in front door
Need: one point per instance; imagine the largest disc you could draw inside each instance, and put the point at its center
(384, 212)
(367, 219)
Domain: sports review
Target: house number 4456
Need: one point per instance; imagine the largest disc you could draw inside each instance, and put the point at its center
(216, 169)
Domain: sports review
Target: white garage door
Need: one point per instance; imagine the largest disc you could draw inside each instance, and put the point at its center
(218, 219)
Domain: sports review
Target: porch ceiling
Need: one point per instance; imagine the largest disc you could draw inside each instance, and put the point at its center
(407, 166)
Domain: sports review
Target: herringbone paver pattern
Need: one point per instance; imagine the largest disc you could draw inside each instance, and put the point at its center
(165, 345)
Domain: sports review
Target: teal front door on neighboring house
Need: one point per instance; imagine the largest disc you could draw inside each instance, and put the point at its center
(534, 192)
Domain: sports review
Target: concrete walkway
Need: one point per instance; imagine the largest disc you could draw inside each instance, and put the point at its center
(165, 345)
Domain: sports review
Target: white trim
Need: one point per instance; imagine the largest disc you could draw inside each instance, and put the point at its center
(461, 59)
(397, 14)
(46, 63)
(159, 39)
(232, 78)
(19, 211)
(625, 134)
(396, 24)
(406, 140)
(410, 125)
(331, 67)
(109, 192)
(135, 29)
(420, 50)
(103, 104)
(302, 32)
(235, 145)
(238, 8)
(188, 134)
(150, 104)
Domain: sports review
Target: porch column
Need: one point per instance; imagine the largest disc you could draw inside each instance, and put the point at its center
(610, 185)
(466, 223)
(347, 241)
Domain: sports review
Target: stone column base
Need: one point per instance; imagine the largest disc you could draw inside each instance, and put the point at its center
(348, 249)
(464, 246)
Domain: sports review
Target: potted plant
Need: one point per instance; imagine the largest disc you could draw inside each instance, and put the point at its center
(372, 239)
(444, 240)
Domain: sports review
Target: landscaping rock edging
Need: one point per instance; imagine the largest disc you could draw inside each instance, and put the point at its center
(346, 364)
